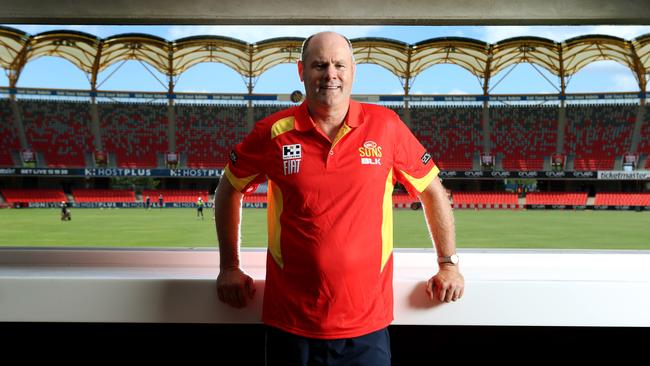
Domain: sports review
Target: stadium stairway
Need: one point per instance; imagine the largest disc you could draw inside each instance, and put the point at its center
(521, 201)
(182, 160)
(90, 161)
(569, 164)
(590, 201)
(642, 163)
(498, 162)
(16, 158)
(476, 161)
(112, 160)
(160, 159)
(618, 163)
(547, 163)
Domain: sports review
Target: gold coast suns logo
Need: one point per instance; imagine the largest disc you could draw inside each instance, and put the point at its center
(370, 153)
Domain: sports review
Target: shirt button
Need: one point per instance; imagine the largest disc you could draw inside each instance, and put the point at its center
(331, 152)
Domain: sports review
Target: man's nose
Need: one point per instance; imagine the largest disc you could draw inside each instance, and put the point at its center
(331, 72)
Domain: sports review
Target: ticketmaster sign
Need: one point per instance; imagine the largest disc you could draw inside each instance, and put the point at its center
(619, 175)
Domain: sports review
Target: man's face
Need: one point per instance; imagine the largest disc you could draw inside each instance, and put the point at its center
(327, 70)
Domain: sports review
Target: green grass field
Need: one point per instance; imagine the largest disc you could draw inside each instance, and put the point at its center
(179, 228)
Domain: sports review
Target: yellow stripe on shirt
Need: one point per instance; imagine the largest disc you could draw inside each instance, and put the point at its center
(273, 213)
(238, 183)
(420, 184)
(342, 132)
(282, 126)
(387, 221)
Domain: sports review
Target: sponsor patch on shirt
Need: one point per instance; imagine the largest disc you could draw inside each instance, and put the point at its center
(425, 158)
(291, 152)
(233, 157)
(370, 153)
(291, 157)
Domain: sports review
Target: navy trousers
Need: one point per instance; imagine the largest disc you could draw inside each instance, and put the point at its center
(286, 349)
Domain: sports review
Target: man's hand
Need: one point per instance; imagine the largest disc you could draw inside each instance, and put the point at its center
(447, 285)
(235, 287)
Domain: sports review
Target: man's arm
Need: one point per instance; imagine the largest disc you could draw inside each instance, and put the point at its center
(234, 286)
(448, 284)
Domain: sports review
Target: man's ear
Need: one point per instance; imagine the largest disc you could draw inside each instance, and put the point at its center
(300, 69)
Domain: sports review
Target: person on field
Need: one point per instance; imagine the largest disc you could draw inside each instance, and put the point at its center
(199, 207)
(65, 212)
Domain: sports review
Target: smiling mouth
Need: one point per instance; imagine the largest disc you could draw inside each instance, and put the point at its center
(332, 87)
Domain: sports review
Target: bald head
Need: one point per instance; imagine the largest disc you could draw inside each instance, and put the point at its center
(324, 39)
(327, 71)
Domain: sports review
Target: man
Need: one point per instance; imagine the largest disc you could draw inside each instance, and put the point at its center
(65, 213)
(147, 203)
(331, 165)
(199, 207)
(161, 202)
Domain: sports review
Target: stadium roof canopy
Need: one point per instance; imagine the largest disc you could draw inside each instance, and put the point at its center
(335, 12)
(93, 55)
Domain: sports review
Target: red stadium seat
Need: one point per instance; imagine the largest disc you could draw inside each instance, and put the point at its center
(14, 195)
(557, 198)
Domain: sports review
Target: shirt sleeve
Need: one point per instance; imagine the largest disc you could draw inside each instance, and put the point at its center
(412, 164)
(244, 170)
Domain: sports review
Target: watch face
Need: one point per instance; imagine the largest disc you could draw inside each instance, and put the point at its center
(453, 259)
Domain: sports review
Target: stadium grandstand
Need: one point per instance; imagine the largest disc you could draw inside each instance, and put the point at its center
(495, 151)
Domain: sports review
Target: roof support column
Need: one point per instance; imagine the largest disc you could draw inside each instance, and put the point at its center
(171, 118)
(561, 113)
(94, 110)
(639, 71)
(250, 117)
(485, 115)
(407, 90)
(171, 112)
(94, 121)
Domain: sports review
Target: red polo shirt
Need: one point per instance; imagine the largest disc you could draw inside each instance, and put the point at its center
(329, 266)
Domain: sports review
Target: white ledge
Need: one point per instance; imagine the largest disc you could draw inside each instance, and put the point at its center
(503, 287)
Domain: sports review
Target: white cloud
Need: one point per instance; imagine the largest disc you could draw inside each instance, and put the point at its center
(36, 29)
(605, 66)
(625, 32)
(457, 92)
(458, 32)
(454, 91)
(625, 82)
(258, 33)
(192, 90)
(494, 34)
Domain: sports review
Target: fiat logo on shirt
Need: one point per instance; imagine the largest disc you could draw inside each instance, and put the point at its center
(291, 156)
(370, 153)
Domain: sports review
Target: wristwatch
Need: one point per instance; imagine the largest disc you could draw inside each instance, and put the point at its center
(452, 259)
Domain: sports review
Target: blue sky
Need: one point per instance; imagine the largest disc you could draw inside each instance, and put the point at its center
(602, 76)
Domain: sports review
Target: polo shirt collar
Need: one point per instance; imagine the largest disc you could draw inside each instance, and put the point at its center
(353, 119)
